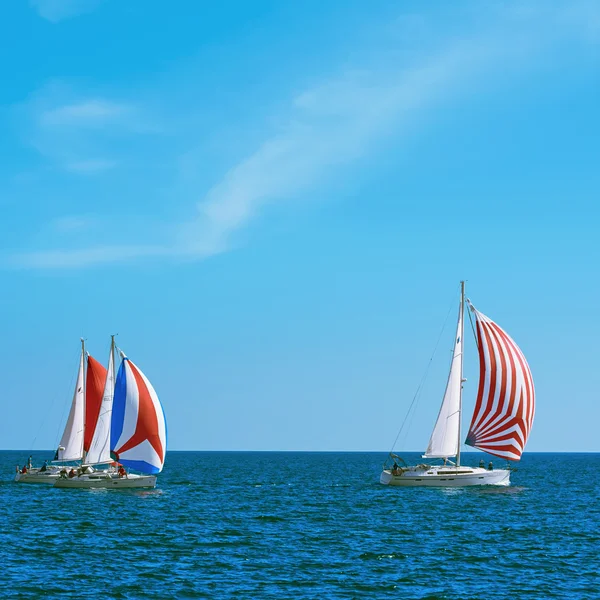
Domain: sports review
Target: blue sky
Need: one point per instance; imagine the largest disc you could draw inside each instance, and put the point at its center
(272, 204)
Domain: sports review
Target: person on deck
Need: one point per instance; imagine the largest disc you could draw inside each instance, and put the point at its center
(29, 463)
(122, 472)
(44, 467)
(395, 469)
(24, 469)
(482, 464)
(491, 466)
(72, 473)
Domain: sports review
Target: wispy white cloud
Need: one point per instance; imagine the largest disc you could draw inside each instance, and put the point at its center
(72, 223)
(59, 10)
(343, 119)
(78, 132)
(91, 112)
(90, 166)
(63, 259)
(338, 122)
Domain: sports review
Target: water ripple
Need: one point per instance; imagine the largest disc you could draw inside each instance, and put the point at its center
(323, 532)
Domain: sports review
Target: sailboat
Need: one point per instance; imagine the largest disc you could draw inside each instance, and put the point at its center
(130, 429)
(81, 423)
(501, 421)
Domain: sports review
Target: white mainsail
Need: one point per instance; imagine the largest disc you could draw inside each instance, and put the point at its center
(444, 440)
(100, 447)
(71, 443)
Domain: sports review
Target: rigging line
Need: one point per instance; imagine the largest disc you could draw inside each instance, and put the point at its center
(62, 423)
(471, 321)
(412, 416)
(410, 422)
(424, 377)
(47, 414)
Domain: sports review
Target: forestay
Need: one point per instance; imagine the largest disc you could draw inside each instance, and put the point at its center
(138, 430)
(505, 404)
(444, 439)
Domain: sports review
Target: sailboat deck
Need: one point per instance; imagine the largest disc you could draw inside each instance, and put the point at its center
(436, 471)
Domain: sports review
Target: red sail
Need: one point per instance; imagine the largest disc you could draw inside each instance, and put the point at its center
(505, 404)
(94, 389)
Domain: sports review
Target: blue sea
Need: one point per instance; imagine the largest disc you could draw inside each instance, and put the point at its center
(304, 525)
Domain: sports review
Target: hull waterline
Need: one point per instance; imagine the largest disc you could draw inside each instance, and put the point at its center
(107, 482)
(37, 476)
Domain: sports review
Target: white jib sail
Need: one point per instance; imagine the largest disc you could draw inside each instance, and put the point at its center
(100, 446)
(71, 443)
(444, 439)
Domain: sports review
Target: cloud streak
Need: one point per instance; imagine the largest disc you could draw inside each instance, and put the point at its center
(100, 255)
(325, 128)
(79, 133)
(72, 223)
(90, 165)
(59, 10)
(88, 113)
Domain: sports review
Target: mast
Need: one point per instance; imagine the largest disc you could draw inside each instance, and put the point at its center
(84, 384)
(462, 331)
(114, 383)
(112, 350)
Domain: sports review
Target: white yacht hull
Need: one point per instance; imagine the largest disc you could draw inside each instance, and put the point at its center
(107, 481)
(36, 476)
(445, 477)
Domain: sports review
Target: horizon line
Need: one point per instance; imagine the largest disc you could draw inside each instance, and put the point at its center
(339, 451)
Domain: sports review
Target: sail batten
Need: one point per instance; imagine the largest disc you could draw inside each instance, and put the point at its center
(505, 404)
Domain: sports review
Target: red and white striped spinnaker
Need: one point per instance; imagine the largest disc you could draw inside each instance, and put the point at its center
(505, 403)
